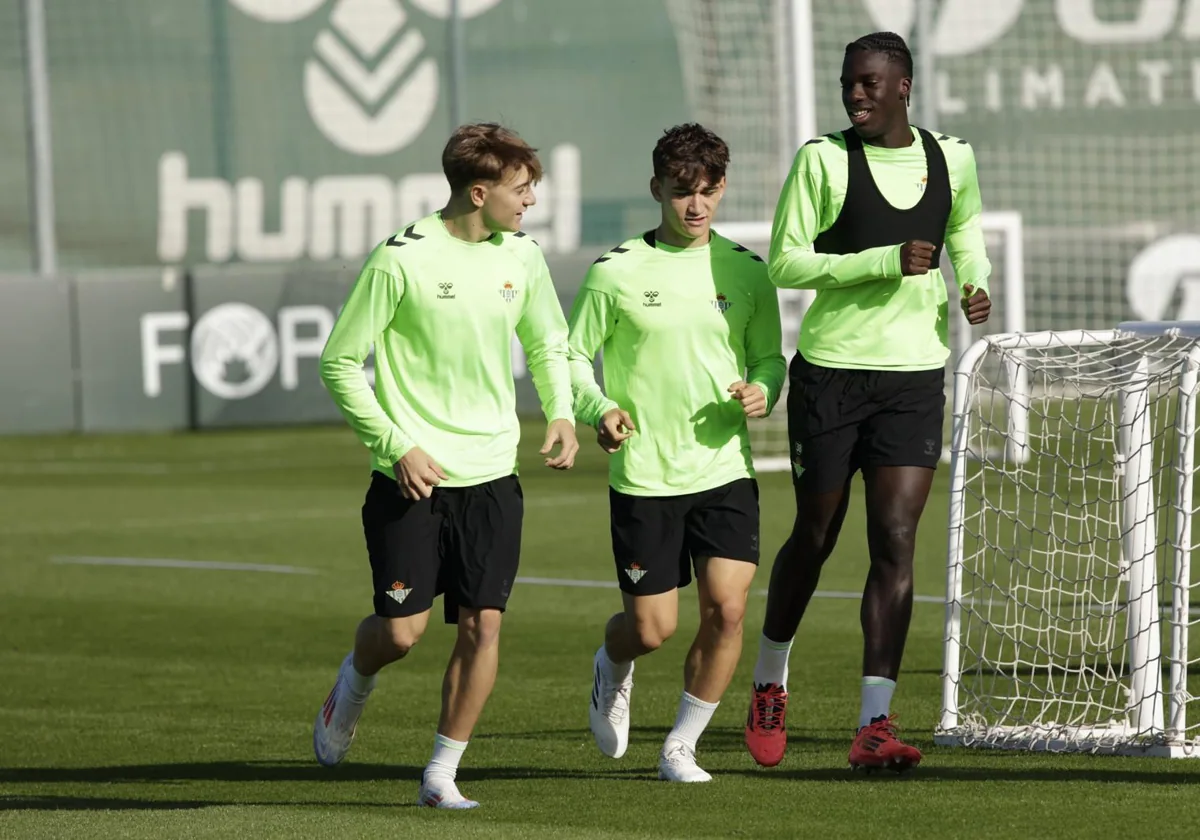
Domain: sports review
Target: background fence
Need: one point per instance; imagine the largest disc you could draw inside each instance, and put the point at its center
(184, 155)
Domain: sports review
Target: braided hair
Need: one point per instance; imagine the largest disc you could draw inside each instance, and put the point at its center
(889, 43)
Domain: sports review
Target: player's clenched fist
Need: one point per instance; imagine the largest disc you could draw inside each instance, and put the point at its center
(975, 305)
(417, 474)
(615, 427)
(752, 398)
(916, 257)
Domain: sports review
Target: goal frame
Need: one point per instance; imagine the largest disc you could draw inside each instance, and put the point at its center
(1155, 735)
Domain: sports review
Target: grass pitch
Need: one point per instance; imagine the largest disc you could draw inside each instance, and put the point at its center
(178, 701)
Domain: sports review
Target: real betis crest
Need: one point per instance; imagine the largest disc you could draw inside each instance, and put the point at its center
(509, 293)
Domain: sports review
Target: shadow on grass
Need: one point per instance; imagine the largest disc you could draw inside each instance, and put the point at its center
(288, 771)
(109, 803)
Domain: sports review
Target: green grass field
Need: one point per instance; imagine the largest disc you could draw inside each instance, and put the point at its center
(178, 702)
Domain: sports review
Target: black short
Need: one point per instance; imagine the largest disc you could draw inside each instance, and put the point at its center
(842, 420)
(656, 539)
(463, 542)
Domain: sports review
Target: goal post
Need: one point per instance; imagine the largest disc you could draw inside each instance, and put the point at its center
(1055, 638)
(1004, 236)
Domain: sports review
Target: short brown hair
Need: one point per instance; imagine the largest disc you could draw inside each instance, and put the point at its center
(690, 153)
(486, 152)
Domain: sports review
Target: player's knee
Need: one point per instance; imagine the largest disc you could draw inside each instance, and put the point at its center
(654, 630)
(897, 536)
(400, 636)
(479, 628)
(725, 618)
(813, 541)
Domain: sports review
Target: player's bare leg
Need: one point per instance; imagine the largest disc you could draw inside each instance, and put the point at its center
(794, 578)
(378, 642)
(466, 687)
(896, 498)
(723, 586)
(646, 622)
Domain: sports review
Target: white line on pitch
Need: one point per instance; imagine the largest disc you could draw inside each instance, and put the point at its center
(169, 563)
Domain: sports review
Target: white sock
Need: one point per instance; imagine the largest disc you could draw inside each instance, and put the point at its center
(443, 766)
(618, 671)
(772, 663)
(360, 686)
(876, 699)
(694, 715)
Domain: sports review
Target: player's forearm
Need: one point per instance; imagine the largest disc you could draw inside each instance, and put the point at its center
(590, 403)
(347, 385)
(552, 380)
(768, 373)
(802, 268)
(968, 255)
(765, 365)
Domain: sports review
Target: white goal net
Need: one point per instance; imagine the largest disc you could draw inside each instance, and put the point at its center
(1069, 578)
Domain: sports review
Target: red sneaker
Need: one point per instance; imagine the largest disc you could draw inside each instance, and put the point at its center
(876, 747)
(766, 735)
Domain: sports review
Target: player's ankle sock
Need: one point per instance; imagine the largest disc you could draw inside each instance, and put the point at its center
(876, 699)
(443, 766)
(772, 664)
(694, 715)
(617, 671)
(360, 685)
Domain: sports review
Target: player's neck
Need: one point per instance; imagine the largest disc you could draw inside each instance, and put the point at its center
(897, 137)
(667, 236)
(465, 222)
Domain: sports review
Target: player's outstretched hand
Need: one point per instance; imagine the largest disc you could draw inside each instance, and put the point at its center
(561, 433)
(614, 427)
(975, 305)
(417, 474)
(752, 398)
(916, 257)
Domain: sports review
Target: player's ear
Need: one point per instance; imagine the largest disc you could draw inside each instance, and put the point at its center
(656, 190)
(905, 88)
(477, 193)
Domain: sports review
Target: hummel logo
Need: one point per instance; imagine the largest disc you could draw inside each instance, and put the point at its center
(930, 446)
(651, 299)
(371, 88)
(446, 288)
(635, 572)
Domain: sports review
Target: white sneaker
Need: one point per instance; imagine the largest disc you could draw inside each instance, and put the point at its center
(337, 722)
(608, 713)
(678, 764)
(443, 794)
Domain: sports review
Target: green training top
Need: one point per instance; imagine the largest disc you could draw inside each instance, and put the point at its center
(678, 326)
(440, 313)
(866, 313)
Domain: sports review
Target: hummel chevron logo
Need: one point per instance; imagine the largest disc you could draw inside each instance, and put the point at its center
(370, 88)
(409, 233)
